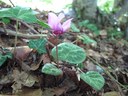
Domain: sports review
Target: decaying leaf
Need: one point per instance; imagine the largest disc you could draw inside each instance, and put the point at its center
(23, 79)
(90, 66)
(113, 93)
(103, 34)
(34, 66)
(91, 52)
(46, 58)
(30, 92)
(43, 58)
(21, 52)
(48, 92)
(6, 79)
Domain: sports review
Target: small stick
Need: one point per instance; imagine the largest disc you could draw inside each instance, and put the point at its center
(27, 25)
(57, 53)
(12, 3)
(26, 36)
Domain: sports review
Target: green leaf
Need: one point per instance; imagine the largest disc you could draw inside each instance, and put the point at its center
(3, 58)
(83, 23)
(5, 20)
(93, 28)
(51, 69)
(70, 53)
(74, 28)
(38, 44)
(43, 24)
(94, 79)
(8, 54)
(20, 13)
(86, 39)
(89, 26)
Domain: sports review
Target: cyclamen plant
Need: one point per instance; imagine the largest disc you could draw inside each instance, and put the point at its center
(67, 52)
(70, 53)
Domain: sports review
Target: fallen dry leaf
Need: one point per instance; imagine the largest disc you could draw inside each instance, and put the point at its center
(103, 34)
(23, 79)
(30, 92)
(5, 79)
(21, 52)
(34, 66)
(93, 53)
(48, 92)
(46, 58)
(90, 66)
(43, 58)
(113, 93)
(59, 90)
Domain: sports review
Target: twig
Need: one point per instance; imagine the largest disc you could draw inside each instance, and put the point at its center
(16, 27)
(27, 25)
(12, 3)
(26, 36)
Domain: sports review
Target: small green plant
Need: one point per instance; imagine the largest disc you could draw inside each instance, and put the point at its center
(89, 26)
(115, 34)
(86, 39)
(74, 28)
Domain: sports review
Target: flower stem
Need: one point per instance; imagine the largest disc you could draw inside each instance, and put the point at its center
(57, 52)
(16, 36)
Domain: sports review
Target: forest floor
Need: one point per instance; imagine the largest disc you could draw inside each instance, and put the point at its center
(21, 75)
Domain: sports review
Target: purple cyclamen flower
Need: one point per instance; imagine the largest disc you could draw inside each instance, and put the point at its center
(55, 23)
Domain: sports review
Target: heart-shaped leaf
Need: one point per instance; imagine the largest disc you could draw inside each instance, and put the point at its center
(3, 58)
(70, 53)
(43, 24)
(20, 13)
(94, 79)
(5, 20)
(74, 28)
(51, 69)
(38, 44)
(86, 39)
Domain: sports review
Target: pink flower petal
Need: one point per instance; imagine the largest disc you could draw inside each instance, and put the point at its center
(66, 24)
(55, 23)
(52, 20)
(59, 27)
(61, 16)
(58, 30)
